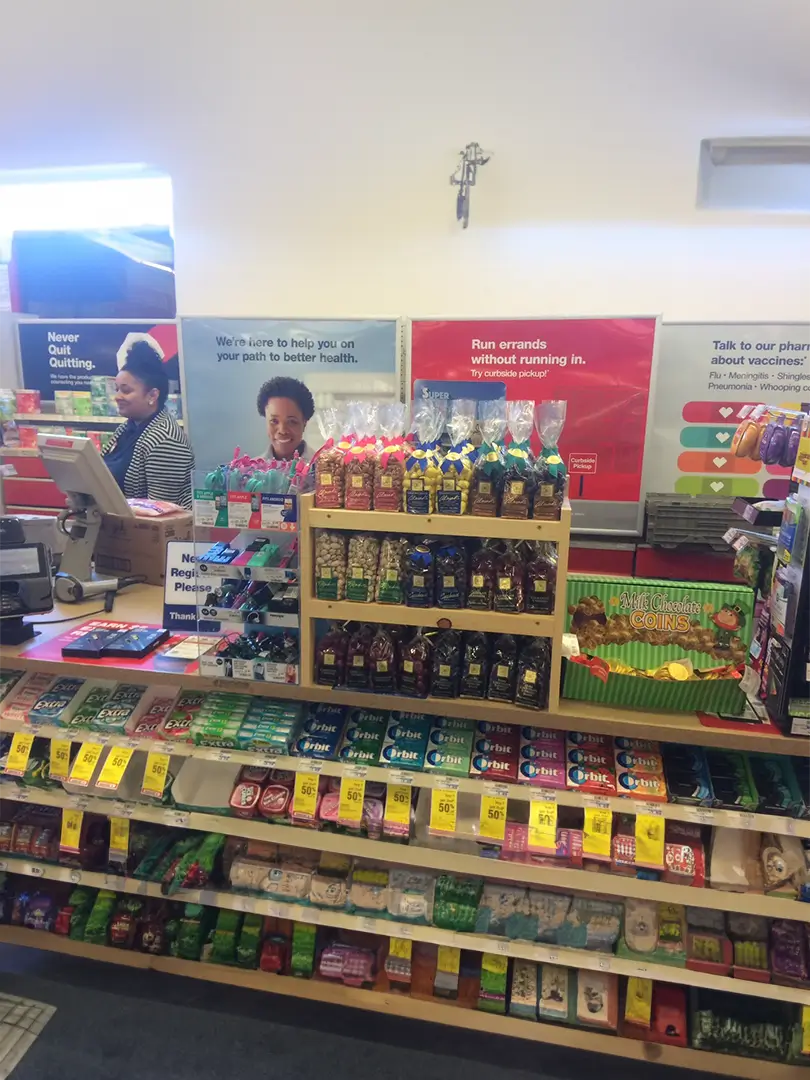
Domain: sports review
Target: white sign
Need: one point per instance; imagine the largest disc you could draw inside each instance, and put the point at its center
(706, 373)
(181, 588)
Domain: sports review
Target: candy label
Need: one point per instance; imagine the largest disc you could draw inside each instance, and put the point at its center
(400, 948)
(449, 959)
(112, 772)
(71, 830)
(494, 963)
(85, 764)
(154, 775)
(443, 809)
(638, 1006)
(18, 754)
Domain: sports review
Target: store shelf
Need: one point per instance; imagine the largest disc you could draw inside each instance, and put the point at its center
(698, 815)
(236, 618)
(484, 943)
(431, 1010)
(440, 524)
(494, 622)
(217, 573)
(432, 858)
(63, 420)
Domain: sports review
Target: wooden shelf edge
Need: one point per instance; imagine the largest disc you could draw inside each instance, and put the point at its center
(496, 622)
(433, 1010)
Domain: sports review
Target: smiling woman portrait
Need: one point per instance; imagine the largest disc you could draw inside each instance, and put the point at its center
(287, 406)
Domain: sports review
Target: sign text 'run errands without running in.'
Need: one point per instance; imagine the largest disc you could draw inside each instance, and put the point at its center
(518, 354)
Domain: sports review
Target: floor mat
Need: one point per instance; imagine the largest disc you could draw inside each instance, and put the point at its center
(21, 1021)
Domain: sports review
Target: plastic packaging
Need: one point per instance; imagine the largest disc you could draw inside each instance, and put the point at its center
(328, 462)
(503, 670)
(453, 496)
(446, 664)
(414, 665)
(360, 458)
(330, 565)
(361, 567)
(391, 571)
(451, 576)
(541, 578)
(518, 479)
(382, 658)
(510, 580)
(532, 674)
(482, 578)
(422, 469)
(330, 657)
(550, 469)
(358, 666)
(389, 464)
(474, 666)
(487, 481)
(420, 572)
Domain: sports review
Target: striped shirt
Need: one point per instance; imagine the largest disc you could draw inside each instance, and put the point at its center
(162, 462)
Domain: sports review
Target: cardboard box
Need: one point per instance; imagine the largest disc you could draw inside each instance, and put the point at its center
(137, 545)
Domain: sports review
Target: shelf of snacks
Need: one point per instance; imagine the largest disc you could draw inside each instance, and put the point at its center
(388, 996)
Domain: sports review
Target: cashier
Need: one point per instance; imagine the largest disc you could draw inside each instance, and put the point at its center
(287, 406)
(149, 455)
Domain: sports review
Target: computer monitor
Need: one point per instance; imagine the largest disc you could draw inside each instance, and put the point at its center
(79, 471)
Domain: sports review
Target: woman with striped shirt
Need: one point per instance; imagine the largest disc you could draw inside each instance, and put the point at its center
(149, 455)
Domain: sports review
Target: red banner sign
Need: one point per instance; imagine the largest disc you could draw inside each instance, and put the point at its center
(601, 367)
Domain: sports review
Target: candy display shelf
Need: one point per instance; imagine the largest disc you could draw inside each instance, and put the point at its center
(415, 1008)
(495, 622)
(430, 858)
(699, 815)
(470, 525)
(584, 959)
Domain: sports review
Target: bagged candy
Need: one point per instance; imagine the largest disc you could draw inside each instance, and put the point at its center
(503, 670)
(330, 565)
(487, 481)
(360, 458)
(361, 567)
(510, 580)
(453, 496)
(422, 470)
(474, 666)
(414, 661)
(541, 578)
(518, 477)
(550, 472)
(382, 659)
(391, 572)
(532, 674)
(389, 464)
(451, 576)
(446, 664)
(482, 578)
(330, 657)
(420, 572)
(328, 462)
(358, 664)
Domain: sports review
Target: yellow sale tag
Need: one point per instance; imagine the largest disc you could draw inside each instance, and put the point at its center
(449, 959)
(638, 1005)
(119, 835)
(443, 807)
(494, 963)
(542, 826)
(113, 769)
(350, 806)
(492, 824)
(806, 1029)
(60, 759)
(155, 773)
(401, 948)
(398, 804)
(84, 764)
(597, 832)
(649, 840)
(71, 830)
(18, 754)
(305, 795)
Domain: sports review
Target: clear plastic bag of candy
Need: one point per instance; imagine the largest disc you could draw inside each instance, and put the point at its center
(383, 660)
(503, 669)
(414, 665)
(358, 664)
(510, 580)
(487, 480)
(474, 665)
(330, 657)
(482, 578)
(422, 469)
(451, 575)
(541, 578)
(328, 462)
(391, 571)
(533, 674)
(453, 495)
(360, 459)
(518, 478)
(361, 567)
(549, 468)
(389, 464)
(445, 663)
(420, 573)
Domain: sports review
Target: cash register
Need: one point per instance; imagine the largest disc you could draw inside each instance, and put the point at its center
(25, 582)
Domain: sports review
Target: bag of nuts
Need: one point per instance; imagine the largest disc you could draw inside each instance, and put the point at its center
(328, 461)
(330, 565)
(361, 567)
(453, 496)
(519, 476)
(487, 481)
(359, 461)
(389, 465)
(422, 471)
(391, 572)
(550, 469)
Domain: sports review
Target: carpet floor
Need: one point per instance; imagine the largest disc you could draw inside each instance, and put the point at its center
(123, 1024)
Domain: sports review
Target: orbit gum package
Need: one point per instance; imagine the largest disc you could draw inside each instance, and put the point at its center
(590, 763)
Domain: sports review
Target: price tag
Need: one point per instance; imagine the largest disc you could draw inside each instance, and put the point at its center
(649, 840)
(400, 948)
(179, 819)
(268, 761)
(36, 871)
(745, 820)
(398, 805)
(449, 959)
(638, 1004)
(223, 755)
(71, 830)
(119, 836)
(492, 824)
(494, 963)
(806, 1029)
(84, 764)
(443, 809)
(113, 769)
(155, 773)
(401, 777)
(350, 806)
(597, 832)
(18, 754)
(60, 759)
(542, 825)
(305, 796)
(368, 924)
